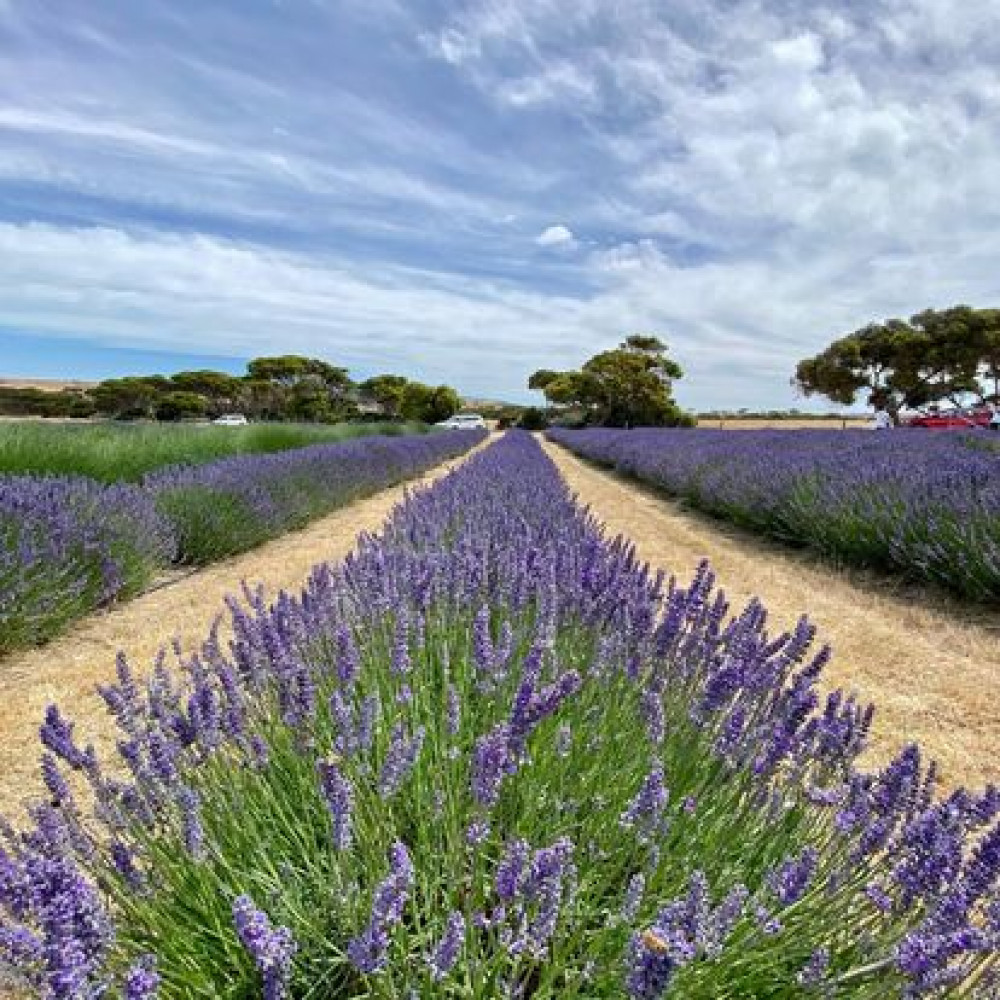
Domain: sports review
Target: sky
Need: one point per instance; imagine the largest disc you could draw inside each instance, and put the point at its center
(464, 191)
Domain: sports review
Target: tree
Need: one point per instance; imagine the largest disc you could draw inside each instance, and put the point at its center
(290, 369)
(385, 390)
(628, 386)
(263, 400)
(129, 398)
(442, 403)
(178, 404)
(543, 377)
(938, 355)
(310, 401)
(220, 391)
(429, 404)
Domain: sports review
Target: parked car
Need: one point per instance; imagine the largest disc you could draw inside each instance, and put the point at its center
(463, 422)
(951, 419)
(231, 420)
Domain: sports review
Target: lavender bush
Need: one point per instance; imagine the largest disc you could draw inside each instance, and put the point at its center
(491, 756)
(921, 504)
(69, 545)
(232, 504)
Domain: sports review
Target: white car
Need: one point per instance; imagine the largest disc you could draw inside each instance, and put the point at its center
(231, 420)
(463, 422)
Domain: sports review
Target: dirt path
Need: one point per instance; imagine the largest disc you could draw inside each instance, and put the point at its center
(930, 668)
(66, 670)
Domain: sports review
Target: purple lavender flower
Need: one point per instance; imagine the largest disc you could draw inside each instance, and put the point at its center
(454, 711)
(512, 870)
(193, 832)
(367, 720)
(56, 733)
(645, 811)
(399, 760)
(445, 954)
(633, 897)
(271, 948)
(401, 663)
(368, 950)
(490, 761)
(348, 658)
(339, 798)
(651, 965)
(142, 981)
(123, 859)
(651, 708)
(814, 971)
(477, 832)
(791, 879)
(75, 929)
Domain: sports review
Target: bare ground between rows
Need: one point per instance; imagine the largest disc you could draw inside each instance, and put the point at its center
(929, 664)
(182, 606)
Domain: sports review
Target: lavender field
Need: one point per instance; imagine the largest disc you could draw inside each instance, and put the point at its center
(490, 755)
(920, 504)
(70, 544)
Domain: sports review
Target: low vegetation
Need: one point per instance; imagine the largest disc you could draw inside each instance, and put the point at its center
(125, 452)
(69, 544)
(915, 503)
(490, 756)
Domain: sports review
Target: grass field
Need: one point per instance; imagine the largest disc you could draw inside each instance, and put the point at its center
(116, 452)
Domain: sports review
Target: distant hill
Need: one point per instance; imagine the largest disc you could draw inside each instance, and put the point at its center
(46, 384)
(473, 403)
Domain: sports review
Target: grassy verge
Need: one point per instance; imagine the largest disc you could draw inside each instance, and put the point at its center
(122, 452)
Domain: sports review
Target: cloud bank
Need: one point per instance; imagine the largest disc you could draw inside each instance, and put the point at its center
(379, 183)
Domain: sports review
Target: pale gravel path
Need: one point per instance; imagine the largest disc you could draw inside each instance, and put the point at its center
(67, 670)
(931, 667)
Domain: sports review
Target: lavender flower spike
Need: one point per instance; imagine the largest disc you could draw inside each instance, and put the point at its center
(445, 955)
(339, 798)
(271, 948)
(142, 981)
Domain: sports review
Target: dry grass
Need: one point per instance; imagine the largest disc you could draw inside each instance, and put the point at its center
(67, 670)
(755, 424)
(46, 384)
(928, 663)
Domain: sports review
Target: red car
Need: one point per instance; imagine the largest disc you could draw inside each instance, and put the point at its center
(955, 419)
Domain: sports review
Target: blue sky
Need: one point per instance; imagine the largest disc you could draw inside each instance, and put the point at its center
(468, 191)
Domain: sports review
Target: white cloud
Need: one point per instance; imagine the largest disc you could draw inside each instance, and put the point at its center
(556, 236)
(753, 179)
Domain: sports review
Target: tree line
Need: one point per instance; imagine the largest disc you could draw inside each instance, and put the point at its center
(937, 356)
(288, 387)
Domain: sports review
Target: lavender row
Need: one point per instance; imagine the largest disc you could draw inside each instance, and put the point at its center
(920, 504)
(490, 755)
(69, 545)
(230, 505)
